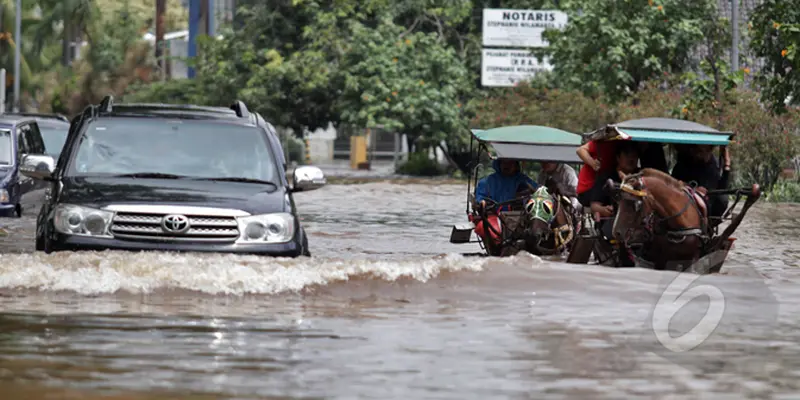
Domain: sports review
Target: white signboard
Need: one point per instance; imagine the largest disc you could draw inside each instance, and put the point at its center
(507, 67)
(519, 28)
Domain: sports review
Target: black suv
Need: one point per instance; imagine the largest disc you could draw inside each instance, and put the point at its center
(167, 177)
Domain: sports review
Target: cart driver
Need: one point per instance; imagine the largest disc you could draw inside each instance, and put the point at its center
(697, 164)
(505, 184)
(602, 205)
(562, 178)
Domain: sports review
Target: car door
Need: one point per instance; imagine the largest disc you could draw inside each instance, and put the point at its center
(26, 184)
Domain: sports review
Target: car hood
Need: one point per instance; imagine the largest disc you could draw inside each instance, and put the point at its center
(102, 191)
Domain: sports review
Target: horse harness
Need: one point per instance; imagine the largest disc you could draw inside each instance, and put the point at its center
(658, 226)
(560, 240)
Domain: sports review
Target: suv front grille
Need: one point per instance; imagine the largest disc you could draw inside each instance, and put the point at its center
(149, 226)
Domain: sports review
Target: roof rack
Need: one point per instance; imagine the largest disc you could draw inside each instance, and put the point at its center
(241, 109)
(107, 103)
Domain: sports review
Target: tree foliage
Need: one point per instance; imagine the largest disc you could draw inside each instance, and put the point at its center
(614, 46)
(410, 83)
(775, 32)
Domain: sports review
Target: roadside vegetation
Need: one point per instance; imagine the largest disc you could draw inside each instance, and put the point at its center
(414, 67)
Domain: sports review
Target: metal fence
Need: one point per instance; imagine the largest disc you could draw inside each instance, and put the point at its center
(381, 144)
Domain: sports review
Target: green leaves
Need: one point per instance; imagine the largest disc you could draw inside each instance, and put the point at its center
(408, 82)
(775, 36)
(613, 46)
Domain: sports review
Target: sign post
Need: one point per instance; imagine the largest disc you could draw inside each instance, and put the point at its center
(515, 32)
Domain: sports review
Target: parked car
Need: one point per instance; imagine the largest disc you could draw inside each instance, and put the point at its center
(53, 127)
(167, 177)
(20, 142)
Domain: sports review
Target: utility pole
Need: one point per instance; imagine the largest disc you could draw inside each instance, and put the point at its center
(161, 6)
(2, 91)
(162, 48)
(17, 45)
(735, 34)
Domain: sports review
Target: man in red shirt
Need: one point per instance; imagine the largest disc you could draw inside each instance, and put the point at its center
(598, 157)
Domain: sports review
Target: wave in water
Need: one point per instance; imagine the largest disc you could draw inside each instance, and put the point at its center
(92, 273)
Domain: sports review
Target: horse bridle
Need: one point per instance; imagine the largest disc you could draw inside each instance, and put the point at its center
(560, 241)
(673, 235)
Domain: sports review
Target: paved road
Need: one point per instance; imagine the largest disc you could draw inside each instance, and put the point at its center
(341, 169)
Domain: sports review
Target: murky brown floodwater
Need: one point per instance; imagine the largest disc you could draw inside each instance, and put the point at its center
(388, 309)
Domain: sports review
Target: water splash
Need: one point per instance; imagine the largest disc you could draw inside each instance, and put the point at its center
(93, 273)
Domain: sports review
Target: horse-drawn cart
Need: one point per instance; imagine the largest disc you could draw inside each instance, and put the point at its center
(661, 222)
(542, 222)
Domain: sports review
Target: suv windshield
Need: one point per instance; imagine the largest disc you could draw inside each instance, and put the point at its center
(54, 138)
(5, 147)
(201, 149)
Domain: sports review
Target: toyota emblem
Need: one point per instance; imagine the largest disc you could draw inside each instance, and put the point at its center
(175, 223)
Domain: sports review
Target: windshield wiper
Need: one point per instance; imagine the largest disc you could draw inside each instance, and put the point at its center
(237, 179)
(151, 175)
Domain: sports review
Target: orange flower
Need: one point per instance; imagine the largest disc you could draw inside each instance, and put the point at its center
(394, 94)
(685, 110)
(388, 100)
(776, 25)
(784, 52)
(421, 82)
(365, 97)
(394, 60)
(660, 8)
(408, 41)
(746, 70)
(458, 105)
(650, 2)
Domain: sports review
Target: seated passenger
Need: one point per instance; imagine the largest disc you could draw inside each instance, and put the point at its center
(602, 205)
(504, 184)
(598, 157)
(698, 166)
(563, 178)
(651, 155)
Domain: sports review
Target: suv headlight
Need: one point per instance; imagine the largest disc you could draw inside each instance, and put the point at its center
(4, 198)
(77, 220)
(266, 228)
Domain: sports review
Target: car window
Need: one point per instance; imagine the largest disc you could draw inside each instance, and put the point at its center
(183, 147)
(22, 144)
(6, 149)
(54, 138)
(34, 139)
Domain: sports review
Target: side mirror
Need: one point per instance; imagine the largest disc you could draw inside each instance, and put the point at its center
(37, 166)
(307, 178)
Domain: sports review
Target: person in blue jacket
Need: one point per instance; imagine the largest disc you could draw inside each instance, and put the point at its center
(504, 184)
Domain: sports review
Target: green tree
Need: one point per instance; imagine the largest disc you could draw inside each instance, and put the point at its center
(613, 46)
(775, 37)
(408, 82)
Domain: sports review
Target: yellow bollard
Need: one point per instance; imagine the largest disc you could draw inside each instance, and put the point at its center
(358, 151)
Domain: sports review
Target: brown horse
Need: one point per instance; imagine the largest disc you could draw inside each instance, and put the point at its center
(552, 222)
(663, 215)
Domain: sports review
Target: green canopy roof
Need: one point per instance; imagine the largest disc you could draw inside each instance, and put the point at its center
(663, 130)
(528, 134)
(676, 137)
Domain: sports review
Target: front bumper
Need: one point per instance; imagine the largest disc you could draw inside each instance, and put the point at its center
(77, 243)
(7, 207)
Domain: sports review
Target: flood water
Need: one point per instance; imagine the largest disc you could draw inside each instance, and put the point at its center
(387, 308)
